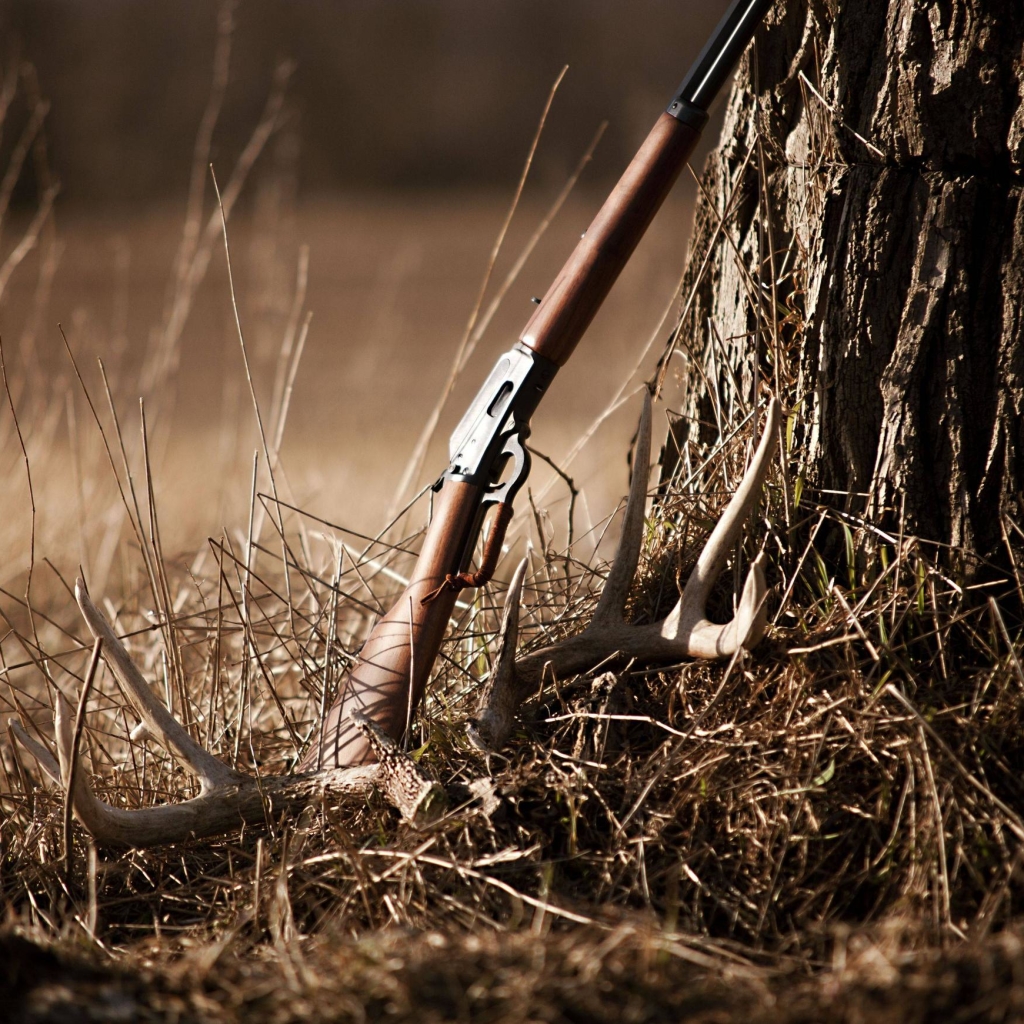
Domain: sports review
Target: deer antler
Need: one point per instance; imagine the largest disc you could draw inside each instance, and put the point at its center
(685, 632)
(227, 798)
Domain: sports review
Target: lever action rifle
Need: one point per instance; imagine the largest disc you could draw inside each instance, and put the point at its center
(388, 681)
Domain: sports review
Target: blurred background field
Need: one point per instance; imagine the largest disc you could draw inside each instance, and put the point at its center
(391, 159)
(391, 285)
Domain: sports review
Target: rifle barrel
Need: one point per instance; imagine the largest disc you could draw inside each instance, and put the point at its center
(721, 52)
(582, 285)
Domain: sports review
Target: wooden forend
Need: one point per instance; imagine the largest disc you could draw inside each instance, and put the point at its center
(574, 298)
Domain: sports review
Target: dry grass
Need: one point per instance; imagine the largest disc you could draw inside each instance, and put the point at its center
(826, 825)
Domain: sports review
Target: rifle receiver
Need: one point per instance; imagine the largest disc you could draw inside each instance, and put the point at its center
(497, 423)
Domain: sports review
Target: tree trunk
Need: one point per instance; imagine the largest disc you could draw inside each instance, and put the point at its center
(872, 165)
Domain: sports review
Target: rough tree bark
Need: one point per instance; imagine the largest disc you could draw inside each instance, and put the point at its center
(873, 155)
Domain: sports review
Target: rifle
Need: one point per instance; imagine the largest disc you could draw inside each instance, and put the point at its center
(356, 749)
(387, 683)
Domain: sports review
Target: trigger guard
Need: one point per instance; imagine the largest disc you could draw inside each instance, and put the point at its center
(516, 450)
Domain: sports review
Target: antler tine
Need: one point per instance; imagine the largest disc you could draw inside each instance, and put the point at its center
(159, 722)
(612, 605)
(687, 623)
(91, 811)
(45, 759)
(497, 705)
(684, 633)
(112, 826)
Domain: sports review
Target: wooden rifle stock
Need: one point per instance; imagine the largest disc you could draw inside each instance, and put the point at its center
(396, 660)
(402, 646)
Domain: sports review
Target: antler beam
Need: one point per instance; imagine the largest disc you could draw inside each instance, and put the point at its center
(684, 633)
